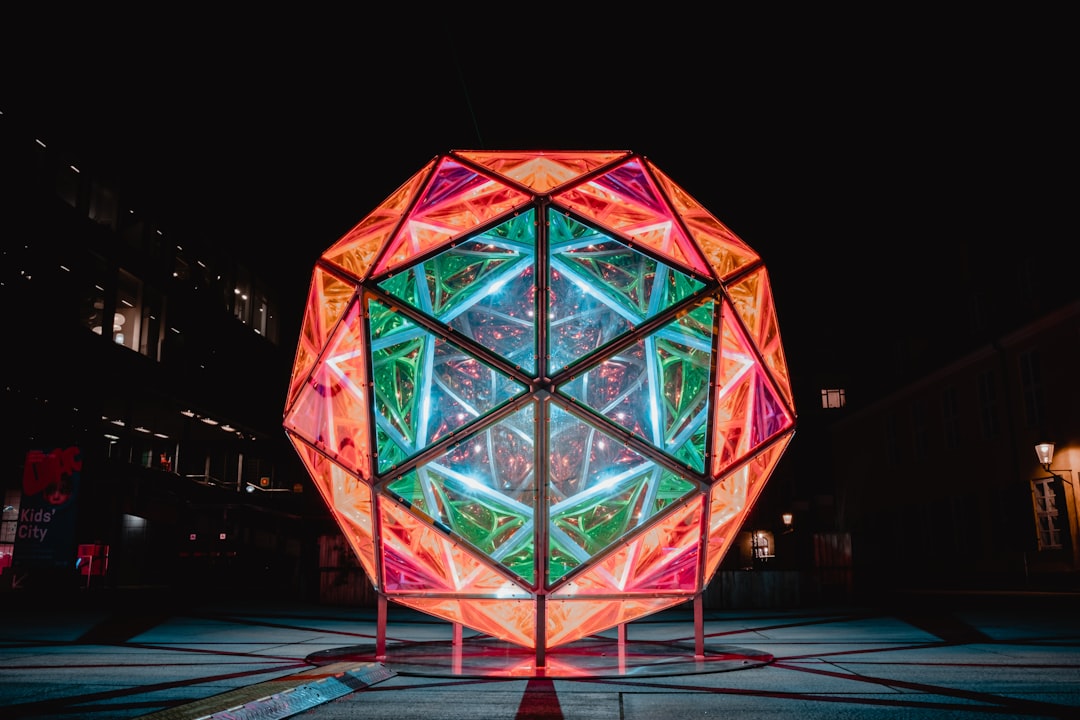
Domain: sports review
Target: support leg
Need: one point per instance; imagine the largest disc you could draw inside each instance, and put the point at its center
(699, 627)
(380, 628)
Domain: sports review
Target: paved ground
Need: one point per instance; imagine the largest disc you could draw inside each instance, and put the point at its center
(147, 657)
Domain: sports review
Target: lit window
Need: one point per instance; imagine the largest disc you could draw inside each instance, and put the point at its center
(832, 398)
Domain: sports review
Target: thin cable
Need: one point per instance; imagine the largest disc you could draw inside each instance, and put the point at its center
(468, 102)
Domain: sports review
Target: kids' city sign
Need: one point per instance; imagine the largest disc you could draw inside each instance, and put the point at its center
(45, 536)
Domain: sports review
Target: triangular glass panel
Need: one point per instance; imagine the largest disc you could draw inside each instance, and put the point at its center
(513, 621)
(725, 251)
(626, 199)
(753, 299)
(542, 171)
(662, 557)
(601, 288)
(349, 500)
(425, 387)
(658, 387)
(748, 410)
(731, 499)
(331, 410)
(420, 559)
(457, 200)
(599, 490)
(355, 252)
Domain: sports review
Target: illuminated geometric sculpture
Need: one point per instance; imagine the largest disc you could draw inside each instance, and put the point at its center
(540, 392)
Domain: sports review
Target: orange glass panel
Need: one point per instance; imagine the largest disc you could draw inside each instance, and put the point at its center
(663, 558)
(753, 299)
(510, 620)
(726, 253)
(456, 200)
(418, 558)
(327, 299)
(542, 171)
(625, 199)
(570, 620)
(355, 252)
(348, 498)
(731, 500)
(331, 410)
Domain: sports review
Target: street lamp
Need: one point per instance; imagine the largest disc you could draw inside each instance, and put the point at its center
(1045, 452)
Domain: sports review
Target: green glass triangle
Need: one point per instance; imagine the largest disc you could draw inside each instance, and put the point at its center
(599, 490)
(483, 489)
(602, 288)
(487, 519)
(425, 387)
(657, 388)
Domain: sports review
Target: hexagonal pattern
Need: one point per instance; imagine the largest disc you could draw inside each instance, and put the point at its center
(540, 391)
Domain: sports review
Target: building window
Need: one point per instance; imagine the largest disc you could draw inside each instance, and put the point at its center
(1046, 513)
(152, 325)
(832, 398)
(242, 296)
(1031, 388)
(988, 405)
(103, 204)
(128, 318)
(950, 418)
(93, 297)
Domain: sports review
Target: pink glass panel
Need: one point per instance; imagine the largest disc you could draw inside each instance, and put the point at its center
(661, 559)
(331, 410)
(625, 199)
(349, 499)
(748, 410)
(417, 559)
(457, 200)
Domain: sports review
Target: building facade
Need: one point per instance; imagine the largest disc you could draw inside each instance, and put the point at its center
(143, 385)
(939, 479)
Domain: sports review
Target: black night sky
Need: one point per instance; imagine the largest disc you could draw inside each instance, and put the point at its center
(860, 155)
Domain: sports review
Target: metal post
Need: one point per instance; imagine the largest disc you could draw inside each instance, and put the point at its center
(541, 625)
(699, 627)
(380, 628)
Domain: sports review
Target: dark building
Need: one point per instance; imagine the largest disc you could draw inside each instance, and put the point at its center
(145, 375)
(933, 455)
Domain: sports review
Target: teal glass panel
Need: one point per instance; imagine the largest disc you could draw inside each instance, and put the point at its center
(425, 387)
(599, 490)
(484, 490)
(601, 288)
(657, 388)
(473, 510)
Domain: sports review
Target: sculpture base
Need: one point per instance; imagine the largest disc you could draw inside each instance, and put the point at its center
(594, 657)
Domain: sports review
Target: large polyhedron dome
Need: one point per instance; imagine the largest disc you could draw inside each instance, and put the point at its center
(540, 391)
